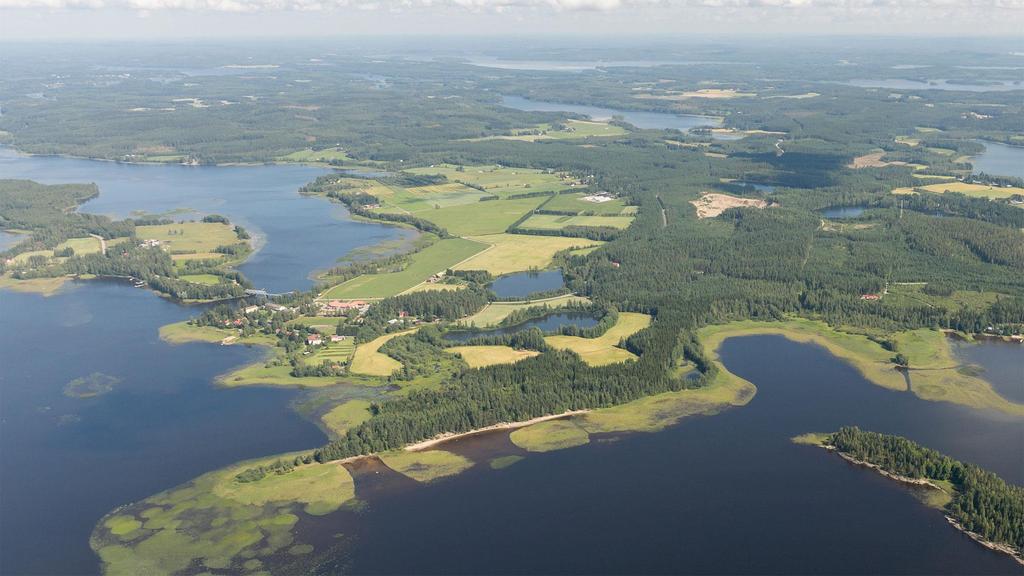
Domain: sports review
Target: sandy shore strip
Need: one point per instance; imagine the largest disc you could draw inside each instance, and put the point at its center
(500, 426)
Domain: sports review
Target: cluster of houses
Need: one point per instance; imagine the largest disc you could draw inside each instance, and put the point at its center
(341, 307)
(316, 339)
(149, 243)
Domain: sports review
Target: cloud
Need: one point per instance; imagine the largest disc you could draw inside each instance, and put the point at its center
(848, 6)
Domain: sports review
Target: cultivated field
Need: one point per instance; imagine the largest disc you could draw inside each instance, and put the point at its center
(604, 349)
(480, 356)
(713, 204)
(520, 252)
(367, 360)
(501, 181)
(478, 218)
(189, 237)
(975, 190)
(435, 258)
(495, 312)
(575, 203)
(335, 352)
(557, 222)
(575, 129)
(81, 246)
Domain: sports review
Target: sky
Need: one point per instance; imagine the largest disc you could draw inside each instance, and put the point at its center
(181, 19)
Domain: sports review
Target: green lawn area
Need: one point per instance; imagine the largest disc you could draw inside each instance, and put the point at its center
(575, 203)
(495, 312)
(557, 222)
(435, 258)
(520, 252)
(604, 349)
(478, 218)
(189, 237)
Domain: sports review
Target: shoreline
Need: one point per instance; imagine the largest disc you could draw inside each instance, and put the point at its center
(994, 546)
(441, 438)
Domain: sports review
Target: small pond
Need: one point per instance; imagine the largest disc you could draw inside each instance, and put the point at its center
(523, 284)
(549, 323)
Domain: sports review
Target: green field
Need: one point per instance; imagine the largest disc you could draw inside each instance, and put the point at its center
(334, 352)
(481, 218)
(549, 436)
(574, 129)
(653, 413)
(520, 252)
(557, 222)
(974, 190)
(495, 312)
(208, 279)
(423, 199)
(326, 155)
(367, 360)
(502, 181)
(425, 466)
(604, 349)
(80, 245)
(436, 258)
(575, 203)
(344, 416)
(189, 237)
(481, 356)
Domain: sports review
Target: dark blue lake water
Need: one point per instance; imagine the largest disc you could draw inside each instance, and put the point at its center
(295, 235)
(723, 494)
(1002, 364)
(1000, 160)
(841, 212)
(940, 84)
(549, 323)
(645, 120)
(66, 461)
(523, 284)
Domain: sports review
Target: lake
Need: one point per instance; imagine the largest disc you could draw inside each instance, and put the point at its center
(66, 461)
(523, 284)
(999, 160)
(724, 494)
(640, 119)
(295, 235)
(549, 323)
(940, 84)
(842, 212)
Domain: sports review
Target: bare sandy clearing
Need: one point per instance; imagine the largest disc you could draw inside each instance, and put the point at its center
(712, 204)
(873, 160)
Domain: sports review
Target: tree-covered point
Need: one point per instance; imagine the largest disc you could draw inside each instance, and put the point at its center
(983, 502)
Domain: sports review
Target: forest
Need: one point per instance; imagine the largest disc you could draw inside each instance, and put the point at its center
(983, 503)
